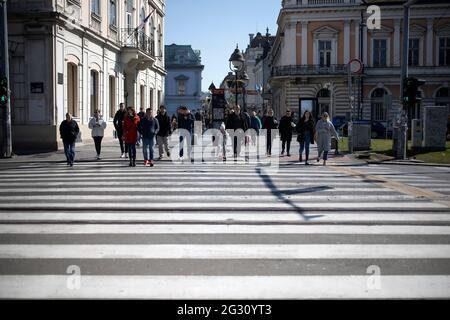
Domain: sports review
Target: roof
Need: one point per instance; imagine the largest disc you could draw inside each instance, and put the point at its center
(182, 55)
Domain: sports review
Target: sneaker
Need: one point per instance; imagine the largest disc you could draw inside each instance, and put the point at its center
(168, 154)
(126, 156)
(71, 164)
(131, 164)
(98, 157)
(306, 163)
(123, 155)
(151, 163)
(318, 159)
(324, 162)
(145, 163)
(160, 158)
(288, 155)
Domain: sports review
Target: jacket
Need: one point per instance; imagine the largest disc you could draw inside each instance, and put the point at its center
(118, 120)
(97, 127)
(130, 129)
(187, 124)
(165, 128)
(148, 127)
(270, 123)
(286, 128)
(302, 127)
(236, 122)
(255, 123)
(69, 131)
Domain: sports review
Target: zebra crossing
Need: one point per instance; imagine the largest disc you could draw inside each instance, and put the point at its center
(104, 230)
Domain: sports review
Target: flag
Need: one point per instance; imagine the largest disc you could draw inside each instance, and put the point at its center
(142, 25)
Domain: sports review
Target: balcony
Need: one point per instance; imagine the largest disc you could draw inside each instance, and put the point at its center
(309, 70)
(138, 49)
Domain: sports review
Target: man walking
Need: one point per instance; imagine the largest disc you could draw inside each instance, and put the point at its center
(164, 132)
(118, 125)
(69, 131)
(185, 121)
(236, 121)
(286, 128)
(148, 128)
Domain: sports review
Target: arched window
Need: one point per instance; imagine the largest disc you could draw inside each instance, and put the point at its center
(72, 90)
(378, 104)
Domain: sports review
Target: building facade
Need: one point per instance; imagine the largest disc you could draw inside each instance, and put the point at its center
(316, 39)
(184, 78)
(80, 55)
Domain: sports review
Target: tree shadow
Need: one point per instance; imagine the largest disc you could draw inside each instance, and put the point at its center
(280, 194)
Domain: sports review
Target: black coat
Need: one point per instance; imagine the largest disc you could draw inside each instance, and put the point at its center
(236, 122)
(69, 131)
(302, 127)
(286, 128)
(118, 120)
(165, 128)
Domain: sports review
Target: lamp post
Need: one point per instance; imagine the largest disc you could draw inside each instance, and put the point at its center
(245, 80)
(236, 65)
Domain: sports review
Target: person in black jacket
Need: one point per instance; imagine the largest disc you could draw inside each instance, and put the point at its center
(286, 127)
(165, 130)
(185, 121)
(69, 131)
(306, 130)
(270, 123)
(118, 123)
(236, 120)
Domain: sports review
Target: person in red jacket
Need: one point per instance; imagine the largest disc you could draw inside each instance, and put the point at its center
(130, 134)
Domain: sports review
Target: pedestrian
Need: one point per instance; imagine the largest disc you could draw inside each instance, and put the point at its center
(98, 126)
(236, 120)
(286, 128)
(118, 125)
(306, 132)
(148, 127)
(69, 131)
(255, 124)
(141, 115)
(324, 131)
(185, 121)
(130, 131)
(270, 123)
(165, 130)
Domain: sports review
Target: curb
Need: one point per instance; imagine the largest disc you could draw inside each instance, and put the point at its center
(409, 163)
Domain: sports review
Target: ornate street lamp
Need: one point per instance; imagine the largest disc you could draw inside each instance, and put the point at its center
(237, 62)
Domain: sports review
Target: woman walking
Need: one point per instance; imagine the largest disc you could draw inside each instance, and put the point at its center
(270, 123)
(130, 134)
(324, 131)
(305, 130)
(286, 127)
(98, 126)
(148, 127)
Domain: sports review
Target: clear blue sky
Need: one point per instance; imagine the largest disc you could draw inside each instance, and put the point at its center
(215, 27)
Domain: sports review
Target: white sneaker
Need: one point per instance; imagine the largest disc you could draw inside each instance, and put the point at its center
(123, 155)
(98, 157)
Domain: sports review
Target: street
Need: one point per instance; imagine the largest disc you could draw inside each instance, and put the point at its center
(203, 231)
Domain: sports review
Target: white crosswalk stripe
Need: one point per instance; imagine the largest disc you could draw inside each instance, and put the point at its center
(219, 231)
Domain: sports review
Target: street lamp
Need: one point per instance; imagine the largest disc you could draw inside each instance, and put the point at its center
(236, 65)
(245, 80)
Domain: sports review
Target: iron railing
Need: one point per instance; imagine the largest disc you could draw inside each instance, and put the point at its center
(309, 69)
(132, 38)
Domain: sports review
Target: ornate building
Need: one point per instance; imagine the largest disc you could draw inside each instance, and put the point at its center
(184, 78)
(80, 55)
(316, 39)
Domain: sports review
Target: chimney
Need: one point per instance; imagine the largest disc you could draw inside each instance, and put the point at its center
(252, 35)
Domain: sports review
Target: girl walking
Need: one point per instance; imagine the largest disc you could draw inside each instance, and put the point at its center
(324, 131)
(98, 126)
(305, 130)
(130, 134)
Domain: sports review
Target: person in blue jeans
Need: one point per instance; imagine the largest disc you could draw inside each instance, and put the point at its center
(148, 128)
(69, 131)
(306, 131)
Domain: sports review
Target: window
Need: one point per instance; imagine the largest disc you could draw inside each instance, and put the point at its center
(152, 37)
(72, 89)
(160, 52)
(378, 105)
(151, 98)
(443, 98)
(130, 9)
(181, 87)
(413, 57)
(159, 98)
(444, 51)
(94, 91)
(112, 96)
(112, 12)
(142, 96)
(379, 52)
(95, 7)
(323, 102)
(324, 53)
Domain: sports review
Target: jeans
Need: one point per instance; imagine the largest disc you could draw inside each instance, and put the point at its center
(147, 145)
(69, 151)
(119, 136)
(98, 144)
(189, 147)
(286, 144)
(131, 147)
(305, 145)
(163, 142)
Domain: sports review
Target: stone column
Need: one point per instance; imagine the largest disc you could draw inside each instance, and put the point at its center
(346, 41)
(397, 53)
(304, 53)
(429, 51)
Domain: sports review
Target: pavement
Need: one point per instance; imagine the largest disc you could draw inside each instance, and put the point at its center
(222, 231)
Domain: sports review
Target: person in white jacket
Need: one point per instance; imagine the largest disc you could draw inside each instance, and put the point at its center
(98, 126)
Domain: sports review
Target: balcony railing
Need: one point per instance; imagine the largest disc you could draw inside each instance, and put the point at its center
(315, 3)
(130, 38)
(309, 69)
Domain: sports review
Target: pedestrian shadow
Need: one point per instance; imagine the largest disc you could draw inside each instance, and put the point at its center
(280, 194)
